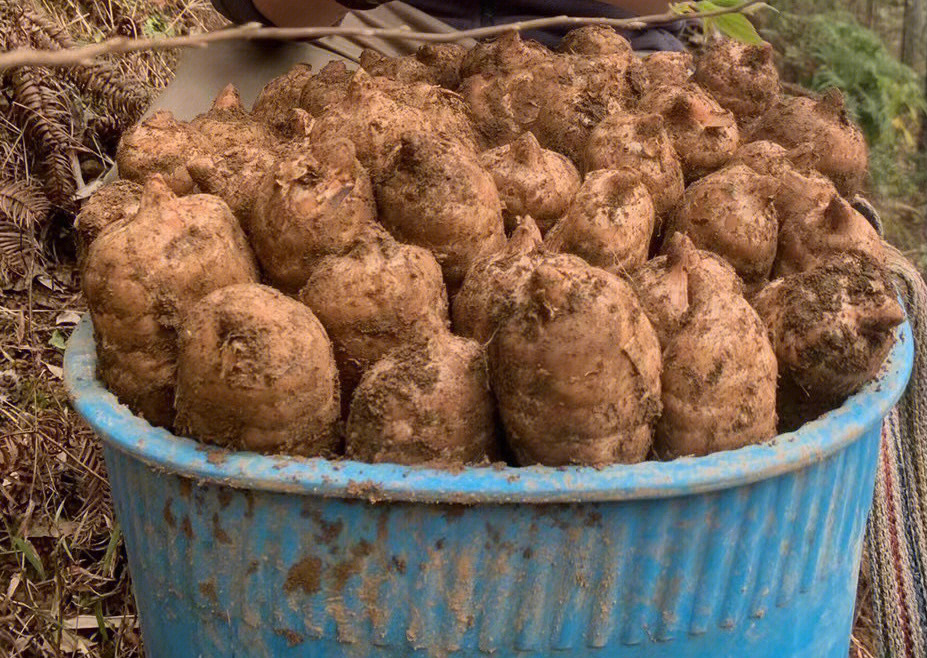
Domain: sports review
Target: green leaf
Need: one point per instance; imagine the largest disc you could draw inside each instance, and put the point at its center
(738, 27)
(726, 4)
(101, 622)
(757, 8)
(110, 555)
(57, 340)
(706, 5)
(25, 547)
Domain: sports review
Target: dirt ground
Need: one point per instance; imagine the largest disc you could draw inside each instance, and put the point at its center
(64, 584)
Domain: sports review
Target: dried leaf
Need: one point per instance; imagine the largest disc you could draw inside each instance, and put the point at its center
(37, 110)
(42, 25)
(72, 643)
(22, 203)
(14, 583)
(15, 240)
(67, 318)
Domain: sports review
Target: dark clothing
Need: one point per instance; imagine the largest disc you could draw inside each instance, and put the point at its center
(476, 13)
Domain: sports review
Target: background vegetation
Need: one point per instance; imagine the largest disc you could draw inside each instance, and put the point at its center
(876, 53)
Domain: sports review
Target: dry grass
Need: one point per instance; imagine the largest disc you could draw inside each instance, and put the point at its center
(64, 583)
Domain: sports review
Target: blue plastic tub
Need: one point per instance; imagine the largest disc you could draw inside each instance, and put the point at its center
(753, 552)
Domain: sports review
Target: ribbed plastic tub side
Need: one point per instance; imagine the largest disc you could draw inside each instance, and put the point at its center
(765, 570)
(753, 552)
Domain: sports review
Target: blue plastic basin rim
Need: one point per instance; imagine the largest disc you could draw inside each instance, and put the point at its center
(158, 448)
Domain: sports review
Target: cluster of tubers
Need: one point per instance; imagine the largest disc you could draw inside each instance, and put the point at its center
(458, 257)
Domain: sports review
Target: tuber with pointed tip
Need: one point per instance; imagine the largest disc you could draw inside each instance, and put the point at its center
(513, 85)
(838, 148)
(161, 145)
(502, 108)
(241, 151)
(435, 194)
(719, 368)
(575, 367)
(445, 59)
(771, 159)
(140, 278)
(400, 69)
(228, 125)
(256, 372)
(831, 328)
(237, 174)
(506, 54)
(433, 64)
(425, 404)
(314, 205)
(610, 223)
(376, 113)
(379, 296)
(595, 41)
(369, 118)
(826, 226)
(669, 68)
(639, 142)
(669, 285)
(279, 96)
(741, 77)
(494, 283)
(327, 87)
(111, 203)
(704, 134)
(731, 213)
(531, 181)
(234, 175)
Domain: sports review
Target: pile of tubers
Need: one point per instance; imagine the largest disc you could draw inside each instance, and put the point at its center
(502, 254)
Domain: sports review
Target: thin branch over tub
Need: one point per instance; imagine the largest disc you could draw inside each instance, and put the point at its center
(83, 54)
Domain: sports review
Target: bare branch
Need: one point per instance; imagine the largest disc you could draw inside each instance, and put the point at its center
(84, 54)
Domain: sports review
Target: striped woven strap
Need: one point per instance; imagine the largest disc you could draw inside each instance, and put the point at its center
(896, 537)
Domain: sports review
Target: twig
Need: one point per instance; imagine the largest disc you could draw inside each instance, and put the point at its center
(251, 31)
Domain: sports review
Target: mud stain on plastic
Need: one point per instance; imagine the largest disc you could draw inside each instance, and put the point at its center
(292, 637)
(224, 496)
(185, 487)
(187, 527)
(168, 514)
(305, 575)
(220, 534)
(461, 596)
(339, 575)
(208, 590)
(373, 582)
(350, 566)
(216, 457)
(329, 531)
(452, 511)
(365, 490)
